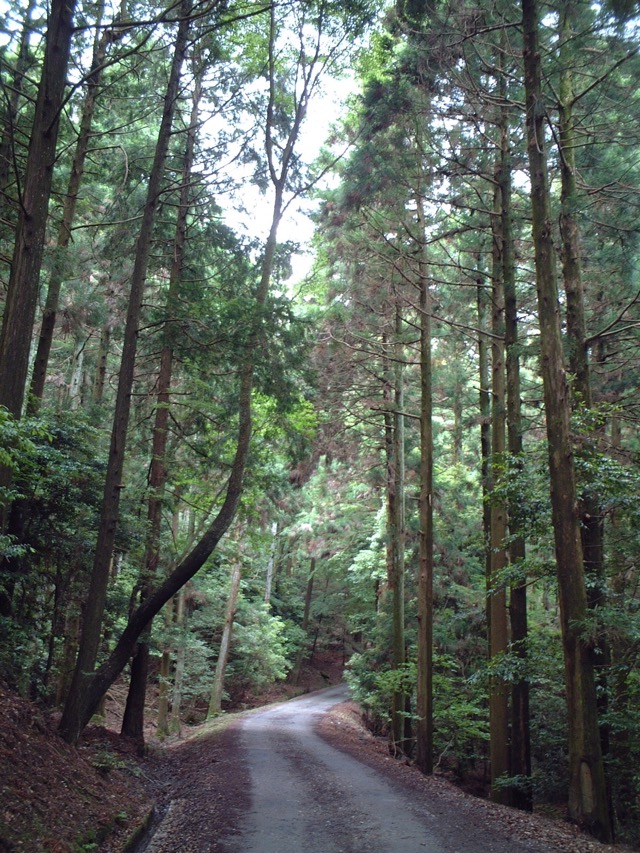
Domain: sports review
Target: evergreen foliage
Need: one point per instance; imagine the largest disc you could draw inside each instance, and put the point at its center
(293, 446)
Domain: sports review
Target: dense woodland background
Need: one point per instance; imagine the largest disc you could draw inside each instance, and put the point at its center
(422, 457)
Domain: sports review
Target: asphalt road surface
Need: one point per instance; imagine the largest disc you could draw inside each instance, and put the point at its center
(307, 797)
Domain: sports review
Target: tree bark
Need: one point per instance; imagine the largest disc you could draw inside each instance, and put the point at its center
(7, 144)
(591, 514)
(215, 703)
(133, 723)
(181, 653)
(308, 597)
(94, 605)
(520, 753)
(24, 280)
(424, 698)
(78, 712)
(499, 636)
(102, 40)
(485, 436)
(397, 537)
(588, 802)
(271, 565)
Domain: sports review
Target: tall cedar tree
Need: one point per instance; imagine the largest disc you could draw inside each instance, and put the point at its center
(588, 801)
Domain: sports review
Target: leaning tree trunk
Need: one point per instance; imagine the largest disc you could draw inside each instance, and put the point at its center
(133, 719)
(85, 701)
(95, 602)
(588, 802)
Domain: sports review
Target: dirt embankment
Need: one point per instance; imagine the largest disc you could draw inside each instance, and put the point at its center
(55, 798)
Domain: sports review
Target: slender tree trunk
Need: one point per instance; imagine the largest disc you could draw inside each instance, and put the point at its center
(485, 437)
(308, 597)
(271, 565)
(181, 655)
(101, 367)
(499, 637)
(7, 144)
(520, 755)
(24, 281)
(94, 606)
(398, 538)
(162, 728)
(424, 699)
(588, 801)
(215, 703)
(77, 376)
(171, 614)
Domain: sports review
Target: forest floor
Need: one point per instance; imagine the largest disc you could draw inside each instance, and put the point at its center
(56, 799)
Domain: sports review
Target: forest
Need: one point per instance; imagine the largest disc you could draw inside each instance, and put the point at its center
(321, 334)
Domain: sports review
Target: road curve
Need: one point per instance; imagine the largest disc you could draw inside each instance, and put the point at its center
(307, 797)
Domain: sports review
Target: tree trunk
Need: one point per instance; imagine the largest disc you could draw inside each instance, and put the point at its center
(94, 606)
(101, 367)
(520, 754)
(591, 514)
(397, 538)
(162, 726)
(215, 703)
(133, 717)
(102, 40)
(271, 565)
(24, 280)
(7, 144)
(77, 377)
(305, 619)
(424, 699)
(133, 726)
(181, 654)
(485, 437)
(78, 712)
(588, 802)
(499, 636)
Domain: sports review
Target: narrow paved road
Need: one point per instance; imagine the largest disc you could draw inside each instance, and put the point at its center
(307, 797)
